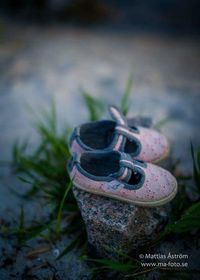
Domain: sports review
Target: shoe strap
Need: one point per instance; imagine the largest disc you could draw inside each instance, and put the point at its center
(126, 168)
(127, 131)
(117, 115)
(126, 161)
(122, 130)
(130, 166)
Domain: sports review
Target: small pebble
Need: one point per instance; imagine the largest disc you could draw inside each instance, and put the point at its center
(56, 252)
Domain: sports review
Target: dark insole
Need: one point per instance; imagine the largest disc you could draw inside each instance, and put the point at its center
(103, 165)
(130, 147)
(100, 164)
(135, 178)
(97, 135)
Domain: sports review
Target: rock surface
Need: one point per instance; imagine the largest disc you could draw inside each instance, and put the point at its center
(114, 226)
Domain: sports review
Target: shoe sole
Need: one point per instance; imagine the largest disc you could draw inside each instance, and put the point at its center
(137, 203)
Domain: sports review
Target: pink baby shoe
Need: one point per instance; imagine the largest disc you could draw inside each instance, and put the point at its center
(117, 175)
(141, 143)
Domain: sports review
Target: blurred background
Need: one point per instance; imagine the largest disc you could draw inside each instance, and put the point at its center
(159, 14)
(56, 48)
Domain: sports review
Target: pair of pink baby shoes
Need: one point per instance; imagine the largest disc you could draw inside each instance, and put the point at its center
(114, 159)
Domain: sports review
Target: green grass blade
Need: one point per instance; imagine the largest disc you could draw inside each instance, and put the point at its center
(125, 102)
(190, 220)
(59, 216)
(196, 170)
(113, 265)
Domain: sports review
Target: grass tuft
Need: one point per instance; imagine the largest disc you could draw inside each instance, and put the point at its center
(44, 171)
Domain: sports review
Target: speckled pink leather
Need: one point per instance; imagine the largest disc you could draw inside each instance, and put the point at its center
(154, 145)
(159, 184)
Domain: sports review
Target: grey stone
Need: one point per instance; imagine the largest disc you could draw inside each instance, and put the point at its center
(114, 226)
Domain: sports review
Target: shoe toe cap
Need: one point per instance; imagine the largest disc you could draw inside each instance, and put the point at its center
(159, 187)
(155, 145)
(160, 184)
